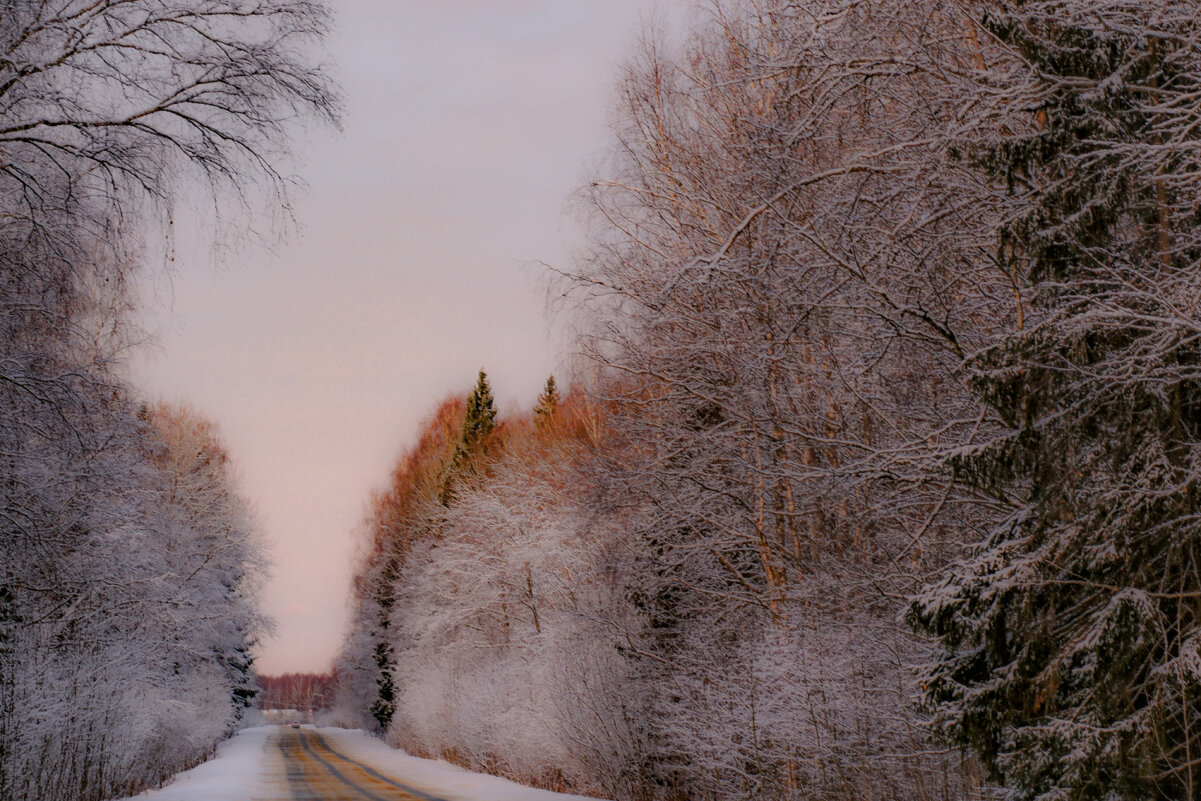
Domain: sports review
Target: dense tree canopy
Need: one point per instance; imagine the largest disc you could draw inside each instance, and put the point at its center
(1071, 634)
(890, 314)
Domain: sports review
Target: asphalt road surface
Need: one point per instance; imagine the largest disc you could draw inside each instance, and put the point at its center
(308, 765)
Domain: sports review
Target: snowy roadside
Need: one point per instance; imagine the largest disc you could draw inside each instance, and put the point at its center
(237, 772)
(234, 774)
(436, 776)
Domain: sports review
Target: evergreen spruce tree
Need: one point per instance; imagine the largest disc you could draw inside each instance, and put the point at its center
(548, 404)
(481, 415)
(383, 707)
(243, 686)
(1071, 637)
(479, 421)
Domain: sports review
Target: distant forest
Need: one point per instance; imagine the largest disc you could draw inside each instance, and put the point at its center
(876, 475)
(304, 692)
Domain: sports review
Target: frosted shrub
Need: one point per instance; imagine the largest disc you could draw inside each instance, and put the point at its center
(504, 655)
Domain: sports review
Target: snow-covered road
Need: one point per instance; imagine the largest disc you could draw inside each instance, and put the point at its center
(309, 765)
(277, 763)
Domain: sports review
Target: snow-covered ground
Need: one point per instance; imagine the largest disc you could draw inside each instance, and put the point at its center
(235, 774)
(242, 770)
(437, 776)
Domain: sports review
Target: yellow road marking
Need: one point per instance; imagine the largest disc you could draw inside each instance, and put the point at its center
(315, 771)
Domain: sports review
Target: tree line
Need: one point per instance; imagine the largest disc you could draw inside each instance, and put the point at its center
(878, 476)
(308, 693)
(130, 563)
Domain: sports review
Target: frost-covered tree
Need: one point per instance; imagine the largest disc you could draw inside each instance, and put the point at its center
(216, 552)
(507, 630)
(407, 512)
(1071, 634)
(69, 462)
(504, 611)
(125, 601)
(106, 104)
(786, 275)
(132, 607)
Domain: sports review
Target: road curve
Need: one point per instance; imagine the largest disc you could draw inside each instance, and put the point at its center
(310, 767)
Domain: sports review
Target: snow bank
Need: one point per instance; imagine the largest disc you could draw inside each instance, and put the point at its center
(434, 776)
(234, 774)
(238, 772)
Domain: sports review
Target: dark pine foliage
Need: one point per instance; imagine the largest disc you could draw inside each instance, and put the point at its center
(1070, 658)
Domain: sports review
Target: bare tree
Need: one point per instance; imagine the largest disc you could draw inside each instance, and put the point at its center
(104, 102)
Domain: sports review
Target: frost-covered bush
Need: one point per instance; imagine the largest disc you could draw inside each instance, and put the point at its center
(124, 633)
(506, 640)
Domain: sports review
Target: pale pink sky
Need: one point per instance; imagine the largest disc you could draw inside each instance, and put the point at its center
(469, 123)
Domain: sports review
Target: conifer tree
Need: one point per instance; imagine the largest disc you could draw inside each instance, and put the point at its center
(548, 404)
(243, 687)
(479, 420)
(384, 705)
(481, 415)
(1071, 637)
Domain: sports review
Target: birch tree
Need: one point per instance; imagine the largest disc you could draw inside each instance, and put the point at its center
(788, 274)
(107, 105)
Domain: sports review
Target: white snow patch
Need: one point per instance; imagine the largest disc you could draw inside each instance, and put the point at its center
(436, 777)
(237, 772)
(234, 774)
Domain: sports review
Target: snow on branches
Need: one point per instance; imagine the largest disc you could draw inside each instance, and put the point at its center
(129, 565)
(892, 312)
